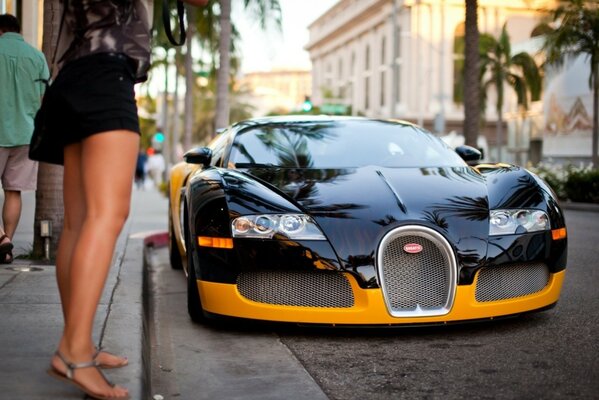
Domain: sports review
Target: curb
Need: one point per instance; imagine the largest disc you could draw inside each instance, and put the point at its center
(157, 239)
(123, 331)
(151, 241)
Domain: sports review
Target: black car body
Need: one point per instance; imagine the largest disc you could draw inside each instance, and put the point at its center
(347, 220)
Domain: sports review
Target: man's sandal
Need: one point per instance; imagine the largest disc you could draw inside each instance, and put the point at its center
(68, 377)
(124, 361)
(5, 248)
(6, 258)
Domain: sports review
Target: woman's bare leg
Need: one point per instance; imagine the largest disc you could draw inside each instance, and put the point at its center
(106, 162)
(74, 214)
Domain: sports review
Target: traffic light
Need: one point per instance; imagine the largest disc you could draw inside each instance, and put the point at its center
(158, 137)
(158, 140)
(307, 106)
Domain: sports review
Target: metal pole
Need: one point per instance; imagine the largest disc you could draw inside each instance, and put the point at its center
(419, 60)
(47, 249)
(394, 52)
(442, 72)
(166, 126)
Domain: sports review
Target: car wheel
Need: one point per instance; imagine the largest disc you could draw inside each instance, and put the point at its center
(194, 304)
(173, 249)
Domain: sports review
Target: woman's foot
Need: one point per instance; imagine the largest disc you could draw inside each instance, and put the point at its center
(108, 360)
(84, 374)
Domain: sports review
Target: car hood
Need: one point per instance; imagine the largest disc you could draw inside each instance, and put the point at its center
(356, 207)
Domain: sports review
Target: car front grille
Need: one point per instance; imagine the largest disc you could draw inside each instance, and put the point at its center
(421, 284)
(295, 288)
(508, 282)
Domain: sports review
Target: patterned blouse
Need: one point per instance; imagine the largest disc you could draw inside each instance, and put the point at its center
(107, 26)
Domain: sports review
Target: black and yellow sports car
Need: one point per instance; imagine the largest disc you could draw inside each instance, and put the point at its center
(355, 221)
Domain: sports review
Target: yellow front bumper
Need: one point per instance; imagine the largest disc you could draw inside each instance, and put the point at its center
(370, 308)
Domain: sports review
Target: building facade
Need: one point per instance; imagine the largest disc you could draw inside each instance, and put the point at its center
(399, 58)
(567, 111)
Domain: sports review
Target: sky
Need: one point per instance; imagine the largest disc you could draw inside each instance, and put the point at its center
(273, 49)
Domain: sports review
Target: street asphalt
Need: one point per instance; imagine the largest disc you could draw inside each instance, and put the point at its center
(31, 318)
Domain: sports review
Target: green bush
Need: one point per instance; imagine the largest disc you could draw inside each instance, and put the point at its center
(580, 184)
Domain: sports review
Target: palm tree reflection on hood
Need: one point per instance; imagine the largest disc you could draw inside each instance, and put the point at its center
(473, 209)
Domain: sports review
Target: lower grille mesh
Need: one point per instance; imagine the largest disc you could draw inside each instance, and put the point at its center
(511, 281)
(296, 288)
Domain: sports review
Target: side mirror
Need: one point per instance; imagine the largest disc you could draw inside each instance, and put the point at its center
(469, 154)
(198, 155)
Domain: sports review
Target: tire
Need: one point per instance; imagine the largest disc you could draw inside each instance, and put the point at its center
(173, 249)
(194, 304)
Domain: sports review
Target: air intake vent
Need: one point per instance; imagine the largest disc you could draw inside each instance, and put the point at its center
(508, 282)
(291, 288)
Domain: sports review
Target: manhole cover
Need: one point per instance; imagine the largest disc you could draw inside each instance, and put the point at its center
(26, 269)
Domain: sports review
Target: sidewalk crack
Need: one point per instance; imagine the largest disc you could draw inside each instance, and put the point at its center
(8, 282)
(119, 258)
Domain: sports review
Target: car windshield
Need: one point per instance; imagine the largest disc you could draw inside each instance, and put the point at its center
(340, 144)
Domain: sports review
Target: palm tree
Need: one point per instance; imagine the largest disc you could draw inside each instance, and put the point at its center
(264, 10)
(518, 71)
(189, 79)
(48, 197)
(175, 120)
(471, 76)
(577, 33)
(221, 118)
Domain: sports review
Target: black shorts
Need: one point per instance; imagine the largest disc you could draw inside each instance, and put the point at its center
(91, 95)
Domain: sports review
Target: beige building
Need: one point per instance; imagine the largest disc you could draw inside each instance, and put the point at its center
(279, 90)
(359, 61)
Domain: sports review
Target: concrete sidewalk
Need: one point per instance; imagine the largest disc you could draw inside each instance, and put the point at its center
(31, 317)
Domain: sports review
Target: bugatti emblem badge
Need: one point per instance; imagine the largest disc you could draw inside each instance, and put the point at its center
(412, 248)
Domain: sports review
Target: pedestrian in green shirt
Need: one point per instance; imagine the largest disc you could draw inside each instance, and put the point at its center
(23, 70)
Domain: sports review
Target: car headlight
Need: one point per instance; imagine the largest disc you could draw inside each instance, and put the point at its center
(266, 226)
(506, 222)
